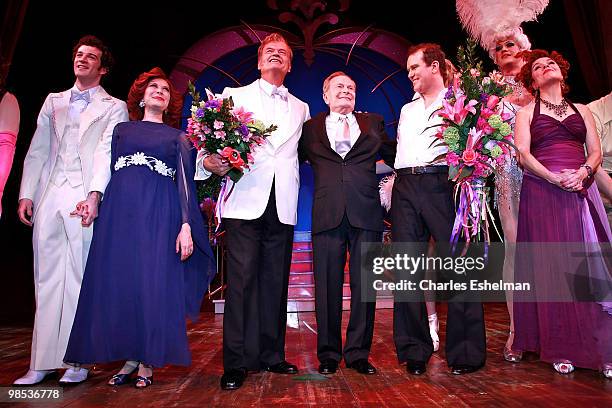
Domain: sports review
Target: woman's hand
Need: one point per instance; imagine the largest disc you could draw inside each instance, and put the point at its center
(572, 180)
(184, 243)
(555, 178)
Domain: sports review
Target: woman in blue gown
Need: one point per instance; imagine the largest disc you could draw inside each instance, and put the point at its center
(150, 261)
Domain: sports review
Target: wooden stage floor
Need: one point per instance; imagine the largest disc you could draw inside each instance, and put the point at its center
(528, 384)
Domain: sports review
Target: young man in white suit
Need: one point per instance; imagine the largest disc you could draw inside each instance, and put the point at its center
(68, 162)
(259, 216)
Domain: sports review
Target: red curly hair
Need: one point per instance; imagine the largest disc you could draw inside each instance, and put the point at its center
(525, 76)
(172, 115)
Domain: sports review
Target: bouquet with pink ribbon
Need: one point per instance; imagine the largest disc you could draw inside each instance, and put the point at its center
(217, 126)
(478, 134)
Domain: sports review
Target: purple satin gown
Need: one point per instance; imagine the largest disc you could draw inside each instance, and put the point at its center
(136, 291)
(577, 331)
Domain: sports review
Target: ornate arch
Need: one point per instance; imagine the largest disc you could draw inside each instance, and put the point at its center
(374, 58)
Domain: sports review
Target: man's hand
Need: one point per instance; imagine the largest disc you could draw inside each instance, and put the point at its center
(216, 164)
(24, 211)
(88, 208)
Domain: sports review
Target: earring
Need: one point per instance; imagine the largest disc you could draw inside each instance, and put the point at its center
(141, 103)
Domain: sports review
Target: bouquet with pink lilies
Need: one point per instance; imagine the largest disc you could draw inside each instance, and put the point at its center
(217, 126)
(478, 134)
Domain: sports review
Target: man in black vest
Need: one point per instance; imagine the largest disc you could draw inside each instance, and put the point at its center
(342, 146)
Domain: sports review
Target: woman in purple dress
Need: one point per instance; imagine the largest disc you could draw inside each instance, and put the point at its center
(150, 261)
(561, 217)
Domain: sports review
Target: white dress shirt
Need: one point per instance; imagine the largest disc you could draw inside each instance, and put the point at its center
(77, 106)
(333, 124)
(415, 134)
(274, 100)
(68, 165)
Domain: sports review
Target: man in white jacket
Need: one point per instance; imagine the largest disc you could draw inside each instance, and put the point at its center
(68, 162)
(259, 216)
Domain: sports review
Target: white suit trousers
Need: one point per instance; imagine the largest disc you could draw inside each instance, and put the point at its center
(60, 246)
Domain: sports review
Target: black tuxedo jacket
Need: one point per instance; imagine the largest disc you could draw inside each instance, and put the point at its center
(346, 186)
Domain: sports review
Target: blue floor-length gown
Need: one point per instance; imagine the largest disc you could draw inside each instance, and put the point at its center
(136, 291)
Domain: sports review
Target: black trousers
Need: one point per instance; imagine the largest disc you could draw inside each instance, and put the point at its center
(422, 206)
(329, 258)
(258, 263)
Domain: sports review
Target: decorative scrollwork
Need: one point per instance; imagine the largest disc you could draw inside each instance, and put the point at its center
(308, 21)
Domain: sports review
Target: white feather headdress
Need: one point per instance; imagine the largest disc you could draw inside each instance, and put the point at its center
(484, 19)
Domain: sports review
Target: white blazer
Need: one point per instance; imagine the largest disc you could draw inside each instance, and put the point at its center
(95, 134)
(276, 159)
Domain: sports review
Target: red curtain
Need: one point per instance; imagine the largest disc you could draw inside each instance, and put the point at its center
(591, 24)
(13, 12)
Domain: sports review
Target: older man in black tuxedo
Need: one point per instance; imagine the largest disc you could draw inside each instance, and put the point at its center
(342, 146)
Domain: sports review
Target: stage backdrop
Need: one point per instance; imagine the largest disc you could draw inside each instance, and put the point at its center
(375, 59)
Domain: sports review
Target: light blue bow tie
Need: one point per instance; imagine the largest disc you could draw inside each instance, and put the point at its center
(76, 95)
(280, 91)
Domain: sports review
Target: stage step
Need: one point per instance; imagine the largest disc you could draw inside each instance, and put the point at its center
(301, 278)
(307, 291)
(303, 245)
(301, 282)
(299, 255)
(383, 301)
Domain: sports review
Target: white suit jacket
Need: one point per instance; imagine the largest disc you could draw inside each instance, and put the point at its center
(276, 159)
(95, 134)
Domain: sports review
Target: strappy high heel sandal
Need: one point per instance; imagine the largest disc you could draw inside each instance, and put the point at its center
(120, 379)
(563, 367)
(142, 381)
(511, 355)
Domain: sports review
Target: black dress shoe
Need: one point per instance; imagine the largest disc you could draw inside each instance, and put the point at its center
(464, 369)
(233, 379)
(362, 366)
(282, 368)
(328, 366)
(416, 367)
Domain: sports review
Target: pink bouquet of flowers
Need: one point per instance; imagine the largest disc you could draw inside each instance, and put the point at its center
(478, 134)
(217, 126)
